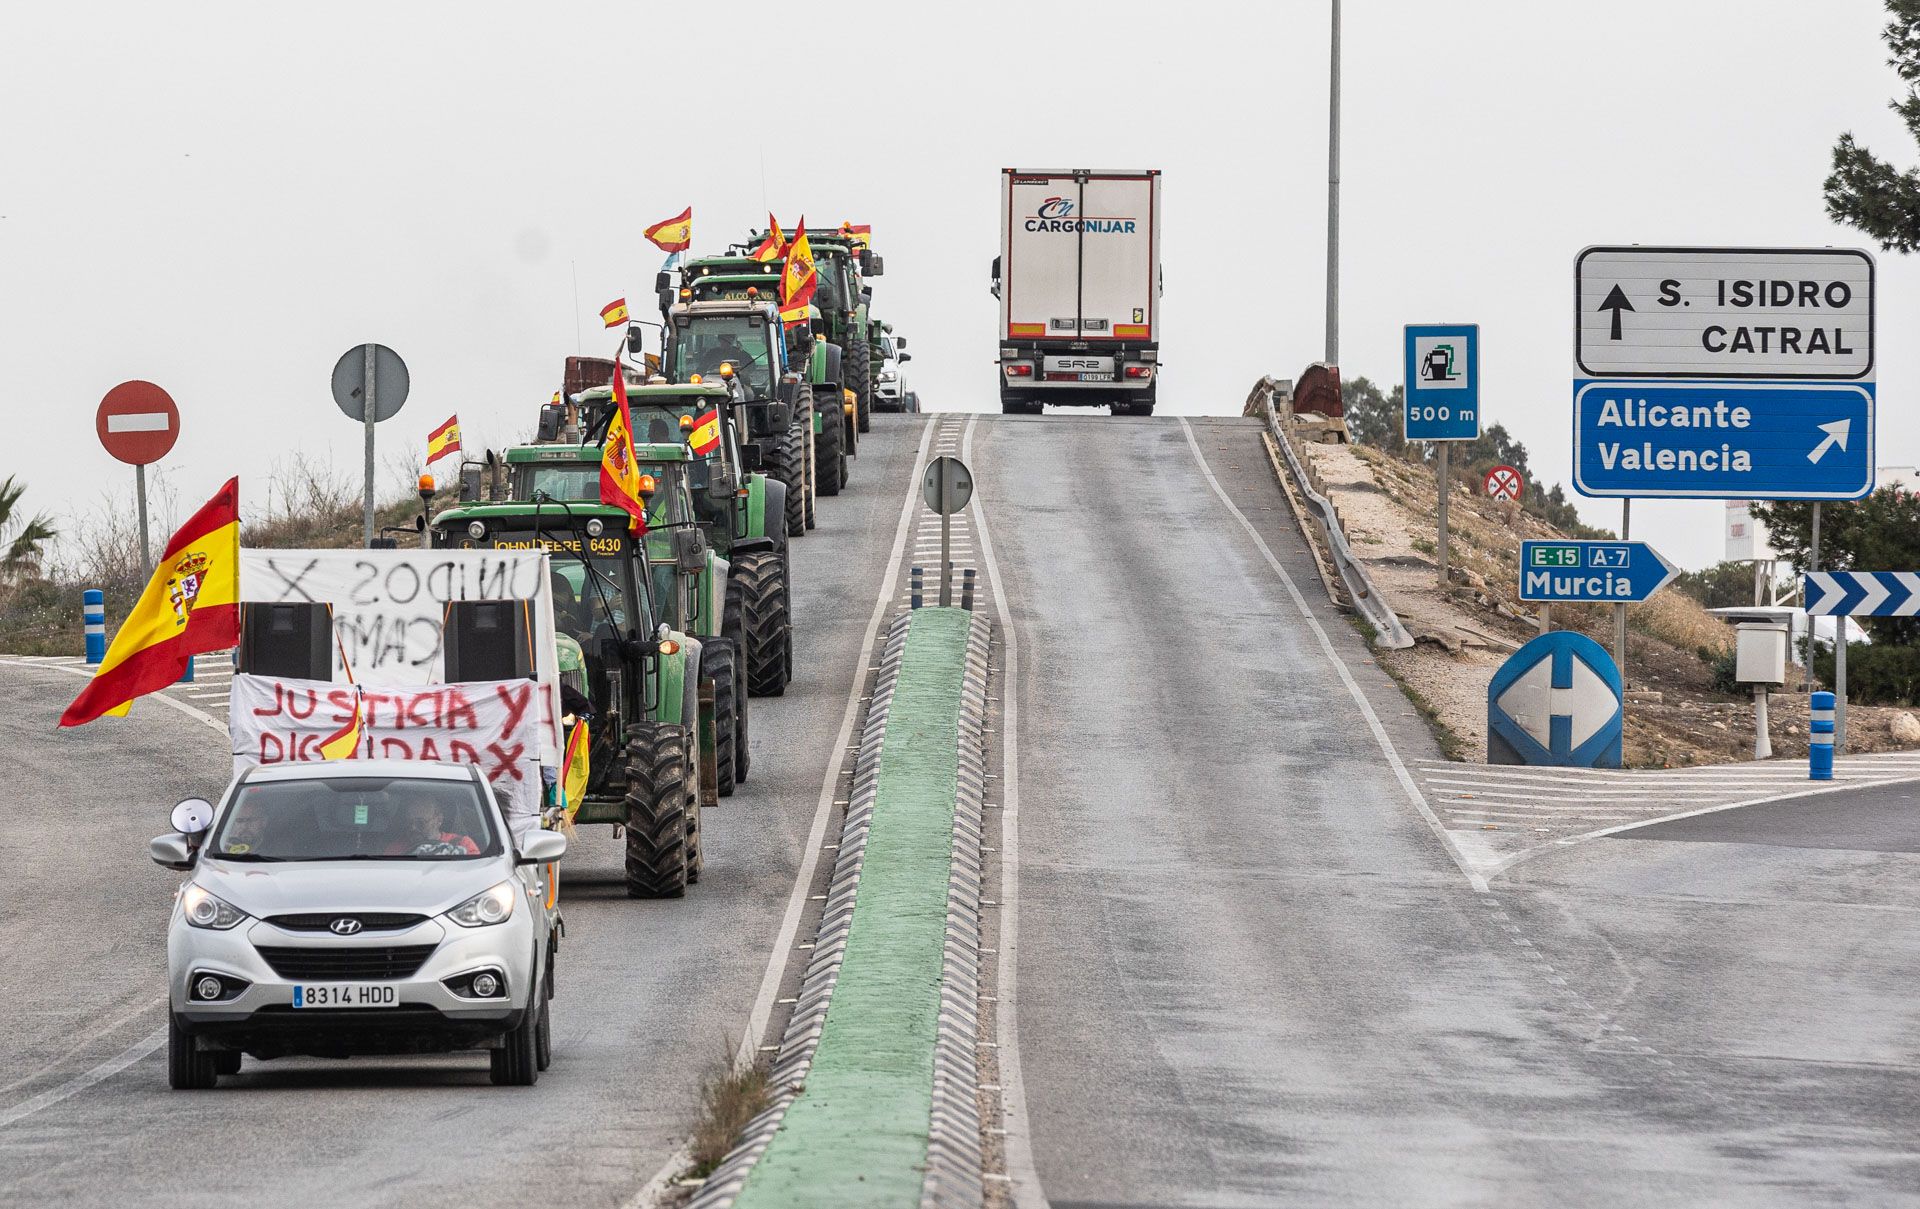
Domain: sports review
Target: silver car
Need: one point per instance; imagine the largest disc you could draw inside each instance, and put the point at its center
(358, 907)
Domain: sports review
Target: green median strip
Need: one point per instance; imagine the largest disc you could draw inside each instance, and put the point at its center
(857, 1134)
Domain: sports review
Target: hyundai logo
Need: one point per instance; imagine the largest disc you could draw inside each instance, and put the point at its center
(346, 925)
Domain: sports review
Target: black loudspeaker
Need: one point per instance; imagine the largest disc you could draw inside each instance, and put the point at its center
(489, 640)
(292, 641)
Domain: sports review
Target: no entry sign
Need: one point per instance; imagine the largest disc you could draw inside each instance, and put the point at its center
(1504, 483)
(137, 423)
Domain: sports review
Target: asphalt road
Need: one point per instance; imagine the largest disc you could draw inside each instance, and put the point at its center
(1251, 973)
(652, 995)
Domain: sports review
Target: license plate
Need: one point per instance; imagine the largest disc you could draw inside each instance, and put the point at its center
(346, 995)
(1096, 377)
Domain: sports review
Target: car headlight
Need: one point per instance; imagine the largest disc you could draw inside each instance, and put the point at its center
(887, 375)
(204, 910)
(491, 906)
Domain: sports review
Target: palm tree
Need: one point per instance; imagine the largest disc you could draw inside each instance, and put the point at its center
(22, 539)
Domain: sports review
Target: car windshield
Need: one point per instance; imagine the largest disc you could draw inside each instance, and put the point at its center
(702, 342)
(357, 818)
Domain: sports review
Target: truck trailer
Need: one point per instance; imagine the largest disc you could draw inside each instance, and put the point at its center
(1078, 279)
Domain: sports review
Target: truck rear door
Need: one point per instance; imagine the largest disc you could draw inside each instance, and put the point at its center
(1041, 278)
(1117, 225)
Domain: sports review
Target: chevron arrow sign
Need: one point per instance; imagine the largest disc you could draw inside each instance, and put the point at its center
(1863, 593)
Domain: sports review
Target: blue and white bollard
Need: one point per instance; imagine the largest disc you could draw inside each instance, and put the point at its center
(914, 594)
(1820, 737)
(93, 614)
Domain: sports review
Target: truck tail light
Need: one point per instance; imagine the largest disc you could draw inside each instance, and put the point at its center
(1019, 371)
(1139, 371)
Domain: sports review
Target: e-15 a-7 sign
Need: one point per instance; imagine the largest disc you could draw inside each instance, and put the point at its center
(1613, 572)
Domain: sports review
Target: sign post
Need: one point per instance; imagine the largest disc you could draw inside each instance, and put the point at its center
(138, 423)
(1442, 375)
(947, 487)
(370, 382)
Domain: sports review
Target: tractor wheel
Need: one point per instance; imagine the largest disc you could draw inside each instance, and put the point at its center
(803, 434)
(769, 636)
(829, 460)
(661, 810)
(734, 629)
(859, 363)
(788, 464)
(717, 656)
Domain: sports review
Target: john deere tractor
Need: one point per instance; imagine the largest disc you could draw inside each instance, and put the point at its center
(639, 676)
(842, 298)
(739, 508)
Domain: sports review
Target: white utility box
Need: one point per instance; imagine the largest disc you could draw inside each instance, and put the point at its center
(1760, 652)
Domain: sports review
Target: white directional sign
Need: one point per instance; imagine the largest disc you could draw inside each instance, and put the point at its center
(1650, 312)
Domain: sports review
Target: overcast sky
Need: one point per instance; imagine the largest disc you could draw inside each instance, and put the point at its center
(223, 202)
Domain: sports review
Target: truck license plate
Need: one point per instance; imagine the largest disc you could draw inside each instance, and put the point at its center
(345, 995)
(1096, 377)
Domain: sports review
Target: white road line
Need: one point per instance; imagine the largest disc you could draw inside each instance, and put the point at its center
(1017, 1144)
(90, 1036)
(81, 1082)
(161, 697)
(1400, 771)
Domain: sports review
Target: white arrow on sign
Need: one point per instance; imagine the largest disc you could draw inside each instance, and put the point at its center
(1876, 592)
(1909, 580)
(1830, 593)
(1836, 435)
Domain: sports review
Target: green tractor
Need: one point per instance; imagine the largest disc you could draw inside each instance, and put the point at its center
(843, 298)
(639, 676)
(740, 509)
(733, 321)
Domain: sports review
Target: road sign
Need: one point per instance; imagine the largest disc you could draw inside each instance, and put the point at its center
(1735, 440)
(1503, 483)
(137, 423)
(390, 382)
(948, 485)
(1863, 593)
(1556, 701)
(1724, 313)
(1442, 381)
(1603, 572)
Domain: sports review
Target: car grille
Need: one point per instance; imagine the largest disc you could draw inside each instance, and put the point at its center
(322, 921)
(334, 964)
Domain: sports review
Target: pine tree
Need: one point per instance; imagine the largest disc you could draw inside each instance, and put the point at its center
(1865, 191)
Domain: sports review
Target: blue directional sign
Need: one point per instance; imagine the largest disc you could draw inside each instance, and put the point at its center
(1723, 440)
(1443, 381)
(1605, 572)
(1863, 593)
(1556, 701)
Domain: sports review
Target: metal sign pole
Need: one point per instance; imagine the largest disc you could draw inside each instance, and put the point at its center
(367, 534)
(1813, 564)
(1620, 610)
(1445, 449)
(140, 497)
(1839, 685)
(946, 538)
(1333, 195)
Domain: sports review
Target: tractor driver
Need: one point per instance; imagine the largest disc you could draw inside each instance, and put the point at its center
(727, 348)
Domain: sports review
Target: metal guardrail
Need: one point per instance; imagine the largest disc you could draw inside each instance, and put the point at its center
(1266, 400)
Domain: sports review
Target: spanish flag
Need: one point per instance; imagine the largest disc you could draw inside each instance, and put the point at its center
(443, 440)
(619, 469)
(673, 234)
(614, 313)
(574, 767)
(705, 436)
(774, 246)
(793, 316)
(190, 605)
(861, 235)
(798, 278)
(342, 743)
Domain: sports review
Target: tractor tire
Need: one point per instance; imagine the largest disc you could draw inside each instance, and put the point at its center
(788, 464)
(769, 634)
(734, 629)
(859, 364)
(830, 459)
(662, 806)
(717, 656)
(188, 1067)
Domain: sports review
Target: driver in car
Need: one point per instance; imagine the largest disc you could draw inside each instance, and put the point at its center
(430, 835)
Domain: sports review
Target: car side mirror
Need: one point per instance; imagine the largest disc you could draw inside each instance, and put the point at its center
(171, 851)
(903, 358)
(540, 847)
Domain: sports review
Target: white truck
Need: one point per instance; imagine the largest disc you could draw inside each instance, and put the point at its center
(1078, 279)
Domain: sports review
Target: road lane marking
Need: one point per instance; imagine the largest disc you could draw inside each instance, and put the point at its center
(161, 696)
(1017, 1143)
(1400, 771)
(81, 1082)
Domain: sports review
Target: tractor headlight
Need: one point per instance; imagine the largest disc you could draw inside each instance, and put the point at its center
(595, 527)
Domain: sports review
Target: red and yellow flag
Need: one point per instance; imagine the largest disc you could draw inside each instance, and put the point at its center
(575, 767)
(704, 437)
(190, 605)
(673, 234)
(342, 743)
(860, 234)
(774, 246)
(798, 278)
(614, 313)
(619, 468)
(444, 440)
